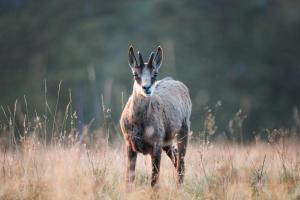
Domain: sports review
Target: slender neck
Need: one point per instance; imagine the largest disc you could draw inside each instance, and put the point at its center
(138, 97)
(140, 103)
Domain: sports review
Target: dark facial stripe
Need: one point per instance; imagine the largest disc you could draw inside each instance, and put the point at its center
(137, 73)
(154, 77)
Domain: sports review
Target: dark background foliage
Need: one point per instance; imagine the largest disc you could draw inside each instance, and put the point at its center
(242, 53)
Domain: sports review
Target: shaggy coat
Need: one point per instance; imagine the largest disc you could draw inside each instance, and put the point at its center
(150, 124)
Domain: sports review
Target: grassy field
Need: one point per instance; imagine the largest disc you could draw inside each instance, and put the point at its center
(50, 160)
(223, 171)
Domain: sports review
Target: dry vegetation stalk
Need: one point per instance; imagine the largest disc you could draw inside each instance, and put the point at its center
(75, 172)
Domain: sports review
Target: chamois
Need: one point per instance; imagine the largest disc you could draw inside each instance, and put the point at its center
(157, 113)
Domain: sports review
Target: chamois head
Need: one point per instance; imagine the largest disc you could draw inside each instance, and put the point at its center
(145, 73)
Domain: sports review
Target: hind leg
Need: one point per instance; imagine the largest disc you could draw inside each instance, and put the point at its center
(172, 154)
(182, 140)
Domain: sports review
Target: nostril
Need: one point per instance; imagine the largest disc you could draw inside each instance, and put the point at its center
(146, 88)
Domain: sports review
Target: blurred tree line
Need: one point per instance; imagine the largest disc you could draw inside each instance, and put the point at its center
(244, 54)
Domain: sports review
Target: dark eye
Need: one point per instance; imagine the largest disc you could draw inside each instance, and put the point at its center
(136, 76)
(154, 77)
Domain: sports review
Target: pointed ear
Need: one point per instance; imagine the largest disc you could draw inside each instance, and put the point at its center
(158, 58)
(131, 57)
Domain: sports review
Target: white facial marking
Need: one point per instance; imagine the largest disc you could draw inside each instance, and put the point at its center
(146, 86)
(146, 77)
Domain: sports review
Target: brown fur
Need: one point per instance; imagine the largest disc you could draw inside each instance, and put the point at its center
(150, 124)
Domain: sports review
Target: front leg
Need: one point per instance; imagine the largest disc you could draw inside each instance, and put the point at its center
(131, 161)
(155, 157)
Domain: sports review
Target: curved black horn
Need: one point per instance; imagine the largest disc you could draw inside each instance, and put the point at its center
(141, 59)
(151, 58)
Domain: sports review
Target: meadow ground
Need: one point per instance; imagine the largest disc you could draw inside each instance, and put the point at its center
(220, 171)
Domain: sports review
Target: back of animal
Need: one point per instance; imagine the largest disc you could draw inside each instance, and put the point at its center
(175, 99)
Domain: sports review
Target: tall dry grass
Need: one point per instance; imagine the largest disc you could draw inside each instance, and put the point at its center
(50, 159)
(224, 171)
